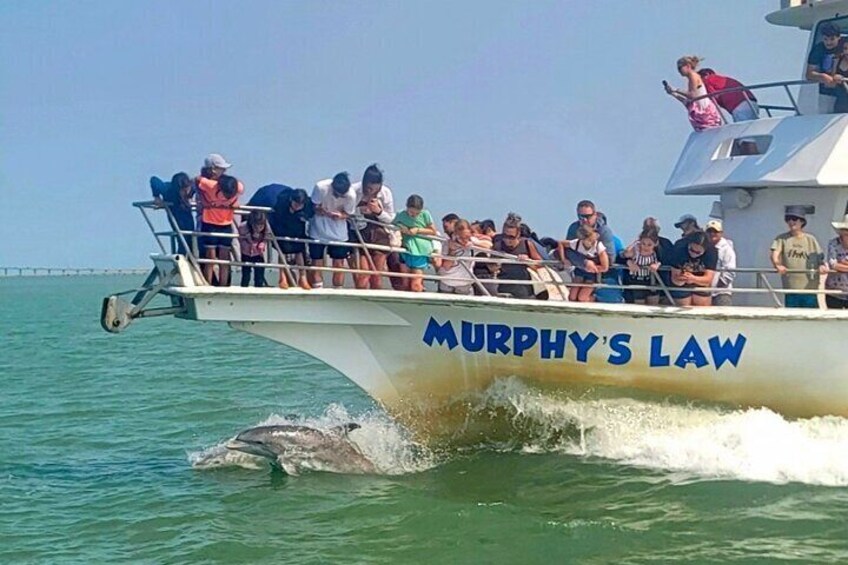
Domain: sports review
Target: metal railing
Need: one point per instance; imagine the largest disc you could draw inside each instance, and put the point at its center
(768, 108)
(188, 239)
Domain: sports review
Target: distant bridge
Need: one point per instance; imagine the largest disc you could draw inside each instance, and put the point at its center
(65, 272)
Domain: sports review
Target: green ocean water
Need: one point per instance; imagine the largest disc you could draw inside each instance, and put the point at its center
(111, 451)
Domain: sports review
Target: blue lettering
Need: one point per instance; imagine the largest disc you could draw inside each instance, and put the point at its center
(658, 359)
(523, 338)
(583, 344)
(621, 354)
(553, 348)
(727, 351)
(691, 353)
(473, 337)
(496, 337)
(440, 333)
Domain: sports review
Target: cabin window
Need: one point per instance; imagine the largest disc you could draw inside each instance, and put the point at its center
(745, 146)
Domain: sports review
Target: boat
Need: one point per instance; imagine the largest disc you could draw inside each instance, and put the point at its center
(418, 353)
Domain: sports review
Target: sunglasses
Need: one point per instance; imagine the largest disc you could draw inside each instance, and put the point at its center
(788, 219)
(585, 216)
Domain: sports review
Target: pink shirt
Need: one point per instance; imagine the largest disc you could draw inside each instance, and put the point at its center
(250, 247)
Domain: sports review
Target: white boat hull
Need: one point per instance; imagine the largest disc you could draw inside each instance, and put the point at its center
(415, 352)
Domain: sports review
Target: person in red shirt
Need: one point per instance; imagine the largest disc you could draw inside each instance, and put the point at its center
(741, 104)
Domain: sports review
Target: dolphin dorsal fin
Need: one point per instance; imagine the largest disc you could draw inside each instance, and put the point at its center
(349, 427)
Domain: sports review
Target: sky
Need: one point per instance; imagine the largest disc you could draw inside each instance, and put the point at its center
(480, 106)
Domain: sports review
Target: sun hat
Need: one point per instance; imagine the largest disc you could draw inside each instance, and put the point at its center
(217, 161)
(714, 225)
(685, 218)
(797, 211)
(843, 225)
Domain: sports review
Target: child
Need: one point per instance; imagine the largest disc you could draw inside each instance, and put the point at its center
(414, 222)
(252, 239)
(595, 262)
(642, 261)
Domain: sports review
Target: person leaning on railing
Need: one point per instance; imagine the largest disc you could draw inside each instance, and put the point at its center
(334, 203)
(820, 63)
(796, 250)
(512, 243)
(703, 113)
(837, 263)
(455, 273)
(840, 76)
(375, 202)
(693, 266)
(292, 210)
(740, 104)
(218, 198)
(177, 195)
(414, 222)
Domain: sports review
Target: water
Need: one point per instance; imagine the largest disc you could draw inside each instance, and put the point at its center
(111, 450)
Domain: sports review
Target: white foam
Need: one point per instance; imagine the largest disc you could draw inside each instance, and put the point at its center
(753, 444)
(381, 440)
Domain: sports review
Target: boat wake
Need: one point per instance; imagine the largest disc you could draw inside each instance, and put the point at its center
(692, 442)
(383, 442)
(687, 442)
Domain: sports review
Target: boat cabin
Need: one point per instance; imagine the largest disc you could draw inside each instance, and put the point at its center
(794, 155)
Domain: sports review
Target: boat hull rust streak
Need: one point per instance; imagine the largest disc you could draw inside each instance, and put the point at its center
(415, 352)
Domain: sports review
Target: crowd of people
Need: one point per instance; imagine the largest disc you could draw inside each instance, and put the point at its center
(827, 64)
(329, 227)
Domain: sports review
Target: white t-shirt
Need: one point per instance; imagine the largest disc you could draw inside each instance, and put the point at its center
(460, 276)
(325, 227)
(384, 196)
(592, 253)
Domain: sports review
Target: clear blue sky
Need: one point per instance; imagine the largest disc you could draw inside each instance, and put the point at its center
(480, 106)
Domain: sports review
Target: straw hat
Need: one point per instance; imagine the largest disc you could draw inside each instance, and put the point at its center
(843, 225)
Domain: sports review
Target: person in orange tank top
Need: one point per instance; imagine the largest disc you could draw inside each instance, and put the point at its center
(217, 198)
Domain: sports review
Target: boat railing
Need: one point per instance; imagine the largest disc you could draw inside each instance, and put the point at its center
(782, 86)
(551, 270)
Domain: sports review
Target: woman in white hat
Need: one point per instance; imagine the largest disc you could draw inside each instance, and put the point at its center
(836, 260)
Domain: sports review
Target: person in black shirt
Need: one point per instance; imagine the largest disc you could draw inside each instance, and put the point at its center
(177, 195)
(288, 219)
(820, 65)
(693, 266)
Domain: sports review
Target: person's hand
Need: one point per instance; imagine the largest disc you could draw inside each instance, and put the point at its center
(823, 269)
(667, 87)
(688, 277)
(632, 267)
(374, 206)
(781, 269)
(828, 80)
(523, 257)
(157, 202)
(590, 267)
(654, 267)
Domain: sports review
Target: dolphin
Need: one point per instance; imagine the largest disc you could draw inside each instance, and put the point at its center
(295, 447)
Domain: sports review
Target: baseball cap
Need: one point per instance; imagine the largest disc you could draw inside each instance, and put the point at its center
(685, 218)
(217, 161)
(714, 225)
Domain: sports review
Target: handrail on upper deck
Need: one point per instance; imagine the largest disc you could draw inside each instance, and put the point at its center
(762, 86)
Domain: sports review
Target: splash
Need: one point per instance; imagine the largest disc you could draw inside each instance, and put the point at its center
(693, 442)
(381, 440)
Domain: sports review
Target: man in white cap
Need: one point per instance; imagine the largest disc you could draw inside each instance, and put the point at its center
(798, 251)
(726, 260)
